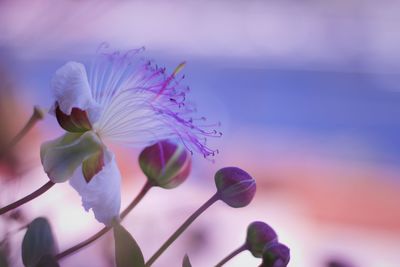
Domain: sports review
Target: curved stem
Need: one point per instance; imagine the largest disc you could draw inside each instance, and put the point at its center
(103, 231)
(181, 229)
(35, 117)
(146, 187)
(27, 198)
(231, 255)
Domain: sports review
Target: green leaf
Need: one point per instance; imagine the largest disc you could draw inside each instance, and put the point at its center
(127, 251)
(48, 261)
(186, 261)
(3, 259)
(38, 242)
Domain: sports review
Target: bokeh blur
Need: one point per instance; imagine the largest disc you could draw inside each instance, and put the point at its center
(308, 94)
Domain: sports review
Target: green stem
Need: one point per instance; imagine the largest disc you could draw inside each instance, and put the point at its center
(36, 116)
(181, 229)
(231, 255)
(103, 231)
(27, 198)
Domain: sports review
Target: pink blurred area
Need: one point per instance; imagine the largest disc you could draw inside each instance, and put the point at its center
(327, 197)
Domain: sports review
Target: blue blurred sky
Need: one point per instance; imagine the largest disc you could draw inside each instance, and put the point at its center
(334, 108)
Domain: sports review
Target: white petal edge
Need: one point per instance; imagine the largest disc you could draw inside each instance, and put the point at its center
(103, 193)
(71, 89)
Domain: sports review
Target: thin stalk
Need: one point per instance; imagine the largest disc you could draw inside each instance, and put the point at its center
(103, 231)
(231, 255)
(182, 228)
(27, 198)
(36, 116)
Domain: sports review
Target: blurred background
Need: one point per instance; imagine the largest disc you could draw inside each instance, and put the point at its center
(308, 93)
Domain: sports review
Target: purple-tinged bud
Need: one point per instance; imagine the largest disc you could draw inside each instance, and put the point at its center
(76, 122)
(275, 255)
(165, 164)
(235, 187)
(338, 263)
(259, 234)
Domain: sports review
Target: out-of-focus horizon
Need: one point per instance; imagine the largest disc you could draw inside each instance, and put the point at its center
(308, 93)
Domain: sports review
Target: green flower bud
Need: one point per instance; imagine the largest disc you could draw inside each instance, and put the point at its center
(259, 234)
(38, 112)
(235, 186)
(165, 164)
(61, 157)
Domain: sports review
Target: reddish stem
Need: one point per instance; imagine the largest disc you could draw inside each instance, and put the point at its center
(27, 198)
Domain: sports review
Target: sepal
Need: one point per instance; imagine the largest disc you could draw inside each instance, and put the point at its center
(62, 156)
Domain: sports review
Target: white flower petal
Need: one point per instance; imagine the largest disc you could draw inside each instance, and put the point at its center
(71, 90)
(103, 193)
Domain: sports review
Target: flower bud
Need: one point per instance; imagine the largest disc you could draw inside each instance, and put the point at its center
(259, 234)
(165, 164)
(338, 263)
(62, 156)
(235, 187)
(275, 255)
(38, 112)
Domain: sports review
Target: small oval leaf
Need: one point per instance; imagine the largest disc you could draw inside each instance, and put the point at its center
(3, 259)
(48, 261)
(127, 251)
(38, 242)
(186, 261)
